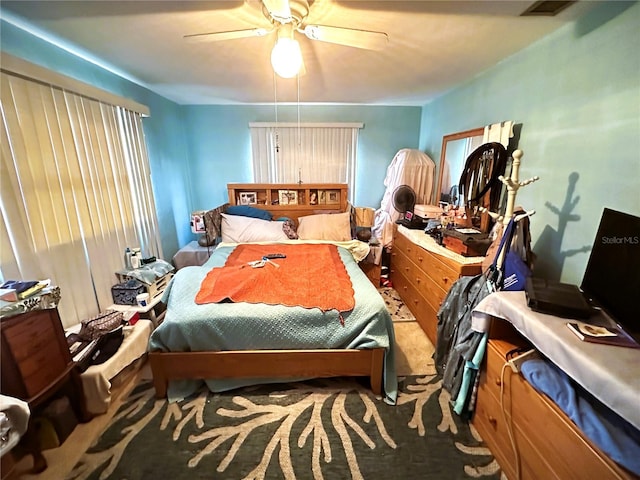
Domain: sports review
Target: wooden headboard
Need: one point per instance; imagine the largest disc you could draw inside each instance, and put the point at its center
(290, 200)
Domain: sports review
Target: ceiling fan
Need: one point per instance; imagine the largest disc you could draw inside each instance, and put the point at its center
(287, 17)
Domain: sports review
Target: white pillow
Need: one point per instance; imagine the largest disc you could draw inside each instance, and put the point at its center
(335, 227)
(239, 229)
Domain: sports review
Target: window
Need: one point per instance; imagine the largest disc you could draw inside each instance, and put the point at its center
(309, 152)
(75, 191)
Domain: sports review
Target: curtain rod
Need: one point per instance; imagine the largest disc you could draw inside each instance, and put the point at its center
(307, 125)
(17, 66)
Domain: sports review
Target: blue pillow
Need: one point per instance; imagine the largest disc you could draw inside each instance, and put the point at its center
(247, 211)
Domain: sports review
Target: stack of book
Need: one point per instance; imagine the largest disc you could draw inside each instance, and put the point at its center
(15, 290)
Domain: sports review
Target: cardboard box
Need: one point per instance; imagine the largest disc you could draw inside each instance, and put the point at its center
(428, 211)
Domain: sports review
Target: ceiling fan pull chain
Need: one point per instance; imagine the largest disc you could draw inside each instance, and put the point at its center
(275, 106)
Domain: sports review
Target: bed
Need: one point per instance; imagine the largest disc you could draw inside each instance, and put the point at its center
(228, 344)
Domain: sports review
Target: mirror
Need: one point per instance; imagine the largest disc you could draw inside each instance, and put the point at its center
(455, 150)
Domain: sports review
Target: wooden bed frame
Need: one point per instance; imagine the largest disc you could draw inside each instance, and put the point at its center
(167, 366)
(322, 363)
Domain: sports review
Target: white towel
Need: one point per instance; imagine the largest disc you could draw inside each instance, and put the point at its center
(498, 132)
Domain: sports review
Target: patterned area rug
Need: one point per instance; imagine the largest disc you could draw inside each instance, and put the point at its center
(322, 429)
(398, 310)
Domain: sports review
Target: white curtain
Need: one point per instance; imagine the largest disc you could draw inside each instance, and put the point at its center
(76, 191)
(311, 153)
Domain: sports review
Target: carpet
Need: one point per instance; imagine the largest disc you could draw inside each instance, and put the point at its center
(397, 309)
(320, 429)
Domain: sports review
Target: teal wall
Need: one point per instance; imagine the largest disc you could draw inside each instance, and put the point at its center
(220, 144)
(576, 97)
(195, 151)
(164, 129)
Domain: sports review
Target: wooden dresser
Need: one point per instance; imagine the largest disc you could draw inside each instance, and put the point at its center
(422, 278)
(36, 364)
(549, 444)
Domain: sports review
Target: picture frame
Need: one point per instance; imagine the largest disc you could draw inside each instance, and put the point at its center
(313, 197)
(333, 197)
(322, 197)
(288, 197)
(248, 198)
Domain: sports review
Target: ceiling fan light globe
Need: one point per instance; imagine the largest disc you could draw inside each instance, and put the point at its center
(286, 57)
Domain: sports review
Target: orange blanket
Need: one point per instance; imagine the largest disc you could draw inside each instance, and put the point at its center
(311, 276)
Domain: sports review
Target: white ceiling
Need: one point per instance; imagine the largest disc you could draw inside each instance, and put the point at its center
(433, 46)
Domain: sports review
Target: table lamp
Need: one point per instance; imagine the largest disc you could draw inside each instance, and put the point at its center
(364, 222)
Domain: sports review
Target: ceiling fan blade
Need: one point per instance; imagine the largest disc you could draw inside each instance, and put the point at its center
(230, 35)
(279, 10)
(347, 36)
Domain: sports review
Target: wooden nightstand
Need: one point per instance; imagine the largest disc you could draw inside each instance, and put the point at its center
(36, 364)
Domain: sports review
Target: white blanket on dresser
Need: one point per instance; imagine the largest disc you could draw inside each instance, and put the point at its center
(609, 373)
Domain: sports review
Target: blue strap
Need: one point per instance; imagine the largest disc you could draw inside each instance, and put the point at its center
(507, 237)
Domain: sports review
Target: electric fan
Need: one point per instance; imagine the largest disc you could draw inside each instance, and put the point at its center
(404, 201)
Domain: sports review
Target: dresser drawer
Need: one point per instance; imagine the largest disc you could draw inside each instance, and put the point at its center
(26, 343)
(41, 368)
(558, 440)
(489, 422)
(442, 273)
(549, 444)
(27, 329)
(424, 312)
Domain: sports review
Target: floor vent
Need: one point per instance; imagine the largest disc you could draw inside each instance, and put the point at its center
(547, 8)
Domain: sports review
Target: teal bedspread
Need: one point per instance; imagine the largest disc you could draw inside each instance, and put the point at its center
(188, 326)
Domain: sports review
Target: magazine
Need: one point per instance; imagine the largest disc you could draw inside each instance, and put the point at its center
(606, 335)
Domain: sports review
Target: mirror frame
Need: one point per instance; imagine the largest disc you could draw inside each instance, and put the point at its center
(474, 132)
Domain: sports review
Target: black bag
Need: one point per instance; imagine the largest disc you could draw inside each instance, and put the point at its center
(101, 349)
(108, 345)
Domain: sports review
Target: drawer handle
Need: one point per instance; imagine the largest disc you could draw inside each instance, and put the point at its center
(498, 382)
(406, 269)
(420, 259)
(445, 280)
(417, 280)
(492, 420)
(404, 288)
(415, 301)
(408, 249)
(394, 254)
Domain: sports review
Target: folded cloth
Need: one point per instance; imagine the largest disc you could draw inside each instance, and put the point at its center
(15, 418)
(150, 272)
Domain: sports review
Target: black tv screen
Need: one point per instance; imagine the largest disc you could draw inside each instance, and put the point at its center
(612, 277)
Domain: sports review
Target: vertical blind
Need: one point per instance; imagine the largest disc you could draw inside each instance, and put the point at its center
(75, 191)
(318, 153)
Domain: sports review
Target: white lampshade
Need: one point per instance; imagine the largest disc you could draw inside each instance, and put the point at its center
(286, 57)
(197, 222)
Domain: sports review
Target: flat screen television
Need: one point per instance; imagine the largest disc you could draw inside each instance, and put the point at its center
(612, 278)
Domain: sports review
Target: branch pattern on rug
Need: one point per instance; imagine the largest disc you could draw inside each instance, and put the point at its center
(318, 429)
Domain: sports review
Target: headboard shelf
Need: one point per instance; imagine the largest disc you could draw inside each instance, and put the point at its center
(290, 199)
